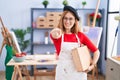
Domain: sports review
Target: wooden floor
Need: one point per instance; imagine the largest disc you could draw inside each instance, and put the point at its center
(2, 77)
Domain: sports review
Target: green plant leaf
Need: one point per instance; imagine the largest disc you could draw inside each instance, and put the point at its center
(20, 34)
(65, 3)
(45, 2)
(84, 3)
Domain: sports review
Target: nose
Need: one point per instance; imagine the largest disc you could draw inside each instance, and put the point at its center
(67, 20)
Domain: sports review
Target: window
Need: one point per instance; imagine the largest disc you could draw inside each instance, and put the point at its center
(113, 10)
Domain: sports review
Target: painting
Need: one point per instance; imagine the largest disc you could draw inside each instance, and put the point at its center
(93, 33)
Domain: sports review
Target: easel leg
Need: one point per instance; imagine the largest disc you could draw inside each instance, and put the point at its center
(19, 71)
(14, 73)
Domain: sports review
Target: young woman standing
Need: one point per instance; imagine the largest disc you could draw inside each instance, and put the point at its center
(66, 37)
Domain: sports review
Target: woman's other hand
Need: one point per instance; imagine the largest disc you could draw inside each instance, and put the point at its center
(90, 68)
(56, 33)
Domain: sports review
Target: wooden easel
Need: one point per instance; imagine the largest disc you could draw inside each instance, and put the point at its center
(96, 12)
(95, 70)
(95, 16)
(7, 38)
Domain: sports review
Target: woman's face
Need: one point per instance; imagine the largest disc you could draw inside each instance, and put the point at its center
(68, 21)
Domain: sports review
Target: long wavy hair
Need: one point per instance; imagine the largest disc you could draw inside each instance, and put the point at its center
(75, 29)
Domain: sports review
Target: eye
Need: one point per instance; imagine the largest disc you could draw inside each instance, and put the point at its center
(70, 19)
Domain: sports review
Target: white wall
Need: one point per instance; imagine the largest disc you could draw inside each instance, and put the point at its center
(16, 13)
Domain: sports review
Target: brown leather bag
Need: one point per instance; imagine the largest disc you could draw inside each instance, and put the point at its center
(81, 58)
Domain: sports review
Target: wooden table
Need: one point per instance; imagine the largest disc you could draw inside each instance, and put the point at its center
(32, 60)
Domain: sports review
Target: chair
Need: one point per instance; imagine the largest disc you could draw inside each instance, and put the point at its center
(94, 34)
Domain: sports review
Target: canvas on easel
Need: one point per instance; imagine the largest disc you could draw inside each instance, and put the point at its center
(93, 33)
(15, 41)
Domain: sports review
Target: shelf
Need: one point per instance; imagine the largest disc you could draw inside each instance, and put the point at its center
(49, 44)
(42, 28)
(38, 34)
(61, 9)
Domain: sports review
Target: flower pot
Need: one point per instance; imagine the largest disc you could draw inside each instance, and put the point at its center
(45, 6)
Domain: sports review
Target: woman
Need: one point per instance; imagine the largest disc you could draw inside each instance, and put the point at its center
(66, 37)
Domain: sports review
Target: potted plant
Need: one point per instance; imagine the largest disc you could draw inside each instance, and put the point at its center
(84, 3)
(45, 3)
(65, 2)
(20, 34)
